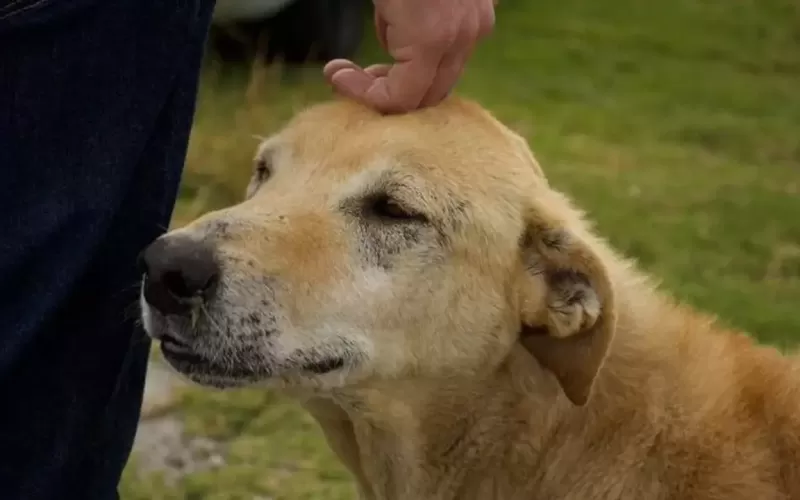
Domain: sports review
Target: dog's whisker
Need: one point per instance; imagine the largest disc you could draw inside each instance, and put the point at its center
(217, 331)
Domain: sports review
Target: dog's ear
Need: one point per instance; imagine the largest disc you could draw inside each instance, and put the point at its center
(566, 299)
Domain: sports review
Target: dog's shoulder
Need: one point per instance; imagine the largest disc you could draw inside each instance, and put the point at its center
(736, 415)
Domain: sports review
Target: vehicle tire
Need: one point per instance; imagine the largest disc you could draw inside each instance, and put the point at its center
(303, 31)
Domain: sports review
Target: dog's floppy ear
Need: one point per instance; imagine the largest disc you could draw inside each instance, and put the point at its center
(566, 299)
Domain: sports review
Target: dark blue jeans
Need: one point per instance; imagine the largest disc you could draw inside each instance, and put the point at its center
(96, 103)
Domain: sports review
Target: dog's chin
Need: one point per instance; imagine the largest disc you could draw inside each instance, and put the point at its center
(214, 381)
(210, 372)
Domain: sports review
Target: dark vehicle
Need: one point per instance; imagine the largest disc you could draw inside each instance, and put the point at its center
(293, 31)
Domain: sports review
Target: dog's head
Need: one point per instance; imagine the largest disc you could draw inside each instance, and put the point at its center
(374, 247)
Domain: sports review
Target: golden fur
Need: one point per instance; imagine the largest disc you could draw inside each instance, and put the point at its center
(491, 346)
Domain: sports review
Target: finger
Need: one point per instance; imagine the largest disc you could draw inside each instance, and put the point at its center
(332, 67)
(403, 87)
(406, 82)
(347, 81)
(448, 75)
(378, 70)
(353, 83)
(350, 84)
(452, 65)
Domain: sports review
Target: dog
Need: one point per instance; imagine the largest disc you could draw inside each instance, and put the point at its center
(458, 329)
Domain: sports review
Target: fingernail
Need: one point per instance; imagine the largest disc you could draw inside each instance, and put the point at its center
(334, 65)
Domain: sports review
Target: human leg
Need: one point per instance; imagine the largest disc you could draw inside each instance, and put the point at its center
(96, 105)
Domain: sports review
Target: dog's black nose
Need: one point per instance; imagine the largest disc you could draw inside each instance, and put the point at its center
(178, 271)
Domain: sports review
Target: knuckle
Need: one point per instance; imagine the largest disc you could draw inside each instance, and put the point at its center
(446, 35)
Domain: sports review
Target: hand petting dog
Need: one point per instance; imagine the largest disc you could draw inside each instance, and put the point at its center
(430, 42)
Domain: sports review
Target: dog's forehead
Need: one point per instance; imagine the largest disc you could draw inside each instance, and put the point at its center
(456, 144)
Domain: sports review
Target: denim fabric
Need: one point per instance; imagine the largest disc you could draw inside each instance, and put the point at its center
(96, 103)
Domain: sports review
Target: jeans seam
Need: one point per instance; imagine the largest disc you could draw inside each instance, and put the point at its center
(13, 12)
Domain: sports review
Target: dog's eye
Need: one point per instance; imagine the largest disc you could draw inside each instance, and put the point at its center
(386, 208)
(261, 173)
(262, 170)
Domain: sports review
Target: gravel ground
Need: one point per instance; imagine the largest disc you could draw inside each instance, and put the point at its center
(161, 444)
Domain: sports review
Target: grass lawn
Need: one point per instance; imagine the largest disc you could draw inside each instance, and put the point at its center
(675, 124)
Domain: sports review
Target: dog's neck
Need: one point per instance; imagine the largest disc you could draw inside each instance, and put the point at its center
(400, 439)
(407, 434)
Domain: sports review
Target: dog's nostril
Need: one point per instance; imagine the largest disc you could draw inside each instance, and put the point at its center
(187, 284)
(179, 270)
(177, 285)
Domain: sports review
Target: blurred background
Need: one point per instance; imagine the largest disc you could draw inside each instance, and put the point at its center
(675, 124)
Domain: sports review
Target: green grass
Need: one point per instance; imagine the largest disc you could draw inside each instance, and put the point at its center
(676, 125)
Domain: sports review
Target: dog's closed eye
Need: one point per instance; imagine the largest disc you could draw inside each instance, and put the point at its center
(386, 208)
(261, 173)
(263, 170)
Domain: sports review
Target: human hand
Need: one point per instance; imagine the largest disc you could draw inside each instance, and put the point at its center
(430, 41)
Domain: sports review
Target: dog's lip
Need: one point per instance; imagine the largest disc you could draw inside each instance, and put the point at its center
(324, 366)
(178, 351)
(186, 360)
(180, 354)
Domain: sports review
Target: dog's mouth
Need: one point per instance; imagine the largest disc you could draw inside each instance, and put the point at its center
(188, 361)
(177, 352)
(185, 359)
(324, 366)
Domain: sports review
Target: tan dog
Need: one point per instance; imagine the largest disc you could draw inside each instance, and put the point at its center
(457, 329)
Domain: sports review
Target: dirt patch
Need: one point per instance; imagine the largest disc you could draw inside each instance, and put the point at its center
(161, 444)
